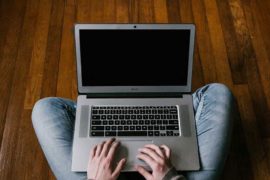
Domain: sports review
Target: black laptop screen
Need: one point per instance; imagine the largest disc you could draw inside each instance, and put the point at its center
(134, 57)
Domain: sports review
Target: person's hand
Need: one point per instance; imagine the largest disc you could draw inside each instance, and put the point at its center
(100, 161)
(158, 158)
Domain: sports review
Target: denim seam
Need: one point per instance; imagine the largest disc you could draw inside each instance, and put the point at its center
(201, 106)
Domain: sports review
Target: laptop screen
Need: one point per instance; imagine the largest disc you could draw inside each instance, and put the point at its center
(134, 57)
(148, 58)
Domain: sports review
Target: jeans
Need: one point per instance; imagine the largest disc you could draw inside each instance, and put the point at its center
(53, 120)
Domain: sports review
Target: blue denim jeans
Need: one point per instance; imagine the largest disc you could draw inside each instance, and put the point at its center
(53, 120)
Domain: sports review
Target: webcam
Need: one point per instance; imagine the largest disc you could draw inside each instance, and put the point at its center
(135, 26)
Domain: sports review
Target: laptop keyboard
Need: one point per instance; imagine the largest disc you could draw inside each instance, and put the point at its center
(134, 121)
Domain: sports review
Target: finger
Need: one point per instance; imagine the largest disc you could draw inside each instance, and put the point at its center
(151, 153)
(156, 149)
(93, 152)
(106, 146)
(167, 151)
(119, 167)
(113, 149)
(143, 172)
(99, 148)
(148, 160)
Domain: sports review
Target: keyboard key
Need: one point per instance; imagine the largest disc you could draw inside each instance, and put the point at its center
(96, 122)
(97, 127)
(173, 121)
(156, 133)
(169, 133)
(150, 133)
(172, 127)
(173, 111)
(110, 133)
(132, 133)
(96, 117)
(94, 112)
(97, 133)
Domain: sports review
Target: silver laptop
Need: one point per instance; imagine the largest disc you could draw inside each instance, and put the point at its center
(134, 83)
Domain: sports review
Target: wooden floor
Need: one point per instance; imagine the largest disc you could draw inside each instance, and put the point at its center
(37, 60)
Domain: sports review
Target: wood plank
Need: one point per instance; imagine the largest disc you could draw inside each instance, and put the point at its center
(186, 16)
(160, 11)
(203, 42)
(252, 133)
(255, 82)
(34, 81)
(82, 11)
(8, 59)
(185, 9)
(262, 12)
(122, 11)
(67, 65)
(173, 11)
(96, 11)
(5, 9)
(266, 143)
(218, 44)
(109, 11)
(134, 11)
(253, 17)
(49, 81)
(234, 29)
(145, 13)
(13, 120)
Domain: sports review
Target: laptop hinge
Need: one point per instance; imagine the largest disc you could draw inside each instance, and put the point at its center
(134, 95)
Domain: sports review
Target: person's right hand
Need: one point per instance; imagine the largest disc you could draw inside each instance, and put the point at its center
(158, 158)
(100, 165)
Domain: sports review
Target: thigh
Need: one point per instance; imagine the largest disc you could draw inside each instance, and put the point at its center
(214, 105)
(53, 121)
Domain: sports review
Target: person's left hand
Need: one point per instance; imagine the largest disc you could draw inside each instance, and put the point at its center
(100, 161)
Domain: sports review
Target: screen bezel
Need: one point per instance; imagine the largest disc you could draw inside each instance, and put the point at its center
(134, 89)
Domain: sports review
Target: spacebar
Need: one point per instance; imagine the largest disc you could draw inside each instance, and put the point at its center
(132, 133)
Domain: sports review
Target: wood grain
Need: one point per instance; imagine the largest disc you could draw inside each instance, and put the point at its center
(8, 56)
(232, 23)
(204, 42)
(34, 82)
(67, 65)
(218, 43)
(37, 59)
(50, 74)
(257, 153)
(15, 107)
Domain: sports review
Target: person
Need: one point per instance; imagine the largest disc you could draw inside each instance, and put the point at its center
(214, 105)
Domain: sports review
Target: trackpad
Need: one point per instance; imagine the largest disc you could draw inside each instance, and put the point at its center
(129, 149)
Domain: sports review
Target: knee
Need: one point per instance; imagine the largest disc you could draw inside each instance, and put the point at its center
(223, 98)
(220, 91)
(42, 108)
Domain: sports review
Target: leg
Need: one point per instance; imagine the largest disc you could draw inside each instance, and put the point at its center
(214, 106)
(53, 121)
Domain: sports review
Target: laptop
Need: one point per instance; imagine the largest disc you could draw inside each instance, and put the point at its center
(134, 83)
